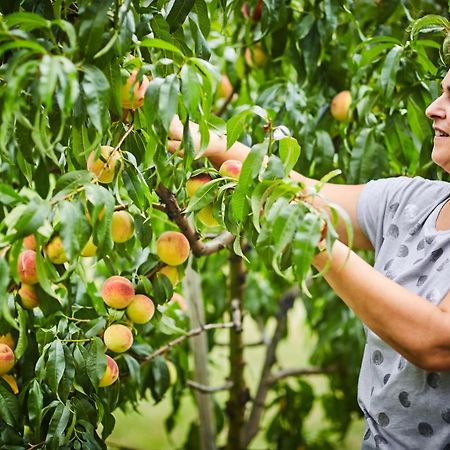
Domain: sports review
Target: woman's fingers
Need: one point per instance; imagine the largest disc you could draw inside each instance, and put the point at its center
(173, 145)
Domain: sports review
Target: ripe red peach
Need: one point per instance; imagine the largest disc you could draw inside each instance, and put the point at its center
(340, 105)
(28, 296)
(117, 292)
(12, 383)
(8, 340)
(132, 92)
(26, 267)
(231, 168)
(7, 359)
(171, 272)
(111, 373)
(104, 168)
(225, 88)
(55, 251)
(141, 309)
(118, 338)
(122, 226)
(29, 242)
(195, 183)
(172, 248)
(255, 56)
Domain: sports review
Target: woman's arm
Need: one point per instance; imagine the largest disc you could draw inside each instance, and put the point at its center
(345, 196)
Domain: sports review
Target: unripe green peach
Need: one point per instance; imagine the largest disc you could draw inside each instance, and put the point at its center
(171, 272)
(26, 267)
(172, 248)
(180, 300)
(111, 373)
(104, 168)
(8, 340)
(206, 217)
(29, 242)
(117, 292)
(118, 338)
(122, 226)
(90, 249)
(340, 105)
(132, 92)
(141, 309)
(173, 375)
(28, 296)
(7, 359)
(195, 183)
(55, 251)
(231, 168)
(12, 383)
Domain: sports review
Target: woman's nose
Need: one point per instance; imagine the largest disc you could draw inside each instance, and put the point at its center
(435, 109)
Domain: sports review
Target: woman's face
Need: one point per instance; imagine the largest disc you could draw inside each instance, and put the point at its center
(439, 113)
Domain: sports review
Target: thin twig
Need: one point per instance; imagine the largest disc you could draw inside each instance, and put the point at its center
(226, 103)
(209, 389)
(299, 372)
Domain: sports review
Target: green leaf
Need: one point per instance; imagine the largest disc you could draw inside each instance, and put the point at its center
(96, 361)
(26, 219)
(96, 92)
(8, 196)
(289, 152)
(391, 66)
(27, 21)
(55, 364)
(429, 23)
(203, 196)
(305, 243)
(34, 404)
(168, 326)
(22, 342)
(178, 13)
(9, 406)
(191, 89)
(235, 126)
(75, 230)
(159, 43)
(71, 181)
(58, 424)
(168, 100)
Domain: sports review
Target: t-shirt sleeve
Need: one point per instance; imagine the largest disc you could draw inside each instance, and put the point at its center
(376, 204)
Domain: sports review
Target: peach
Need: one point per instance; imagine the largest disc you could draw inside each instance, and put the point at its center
(28, 296)
(122, 226)
(90, 249)
(111, 373)
(173, 375)
(132, 92)
(171, 272)
(195, 183)
(255, 57)
(8, 340)
(29, 242)
(225, 88)
(340, 105)
(118, 338)
(26, 267)
(117, 292)
(231, 168)
(7, 359)
(141, 309)
(55, 251)
(12, 383)
(104, 168)
(178, 298)
(206, 217)
(172, 248)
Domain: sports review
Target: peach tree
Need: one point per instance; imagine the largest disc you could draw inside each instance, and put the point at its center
(116, 253)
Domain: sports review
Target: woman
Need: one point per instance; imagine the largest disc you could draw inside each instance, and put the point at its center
(403, 301)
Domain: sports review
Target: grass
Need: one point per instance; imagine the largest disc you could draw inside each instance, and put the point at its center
(144, 429)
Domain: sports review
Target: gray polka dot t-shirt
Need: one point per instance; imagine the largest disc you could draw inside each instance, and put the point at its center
(405, 407)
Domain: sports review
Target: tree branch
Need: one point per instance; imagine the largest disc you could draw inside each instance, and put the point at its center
(299, 372)
(252, 427)
(176, 214)
(209, 389)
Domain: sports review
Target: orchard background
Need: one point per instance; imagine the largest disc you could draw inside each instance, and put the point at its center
(64, 67)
